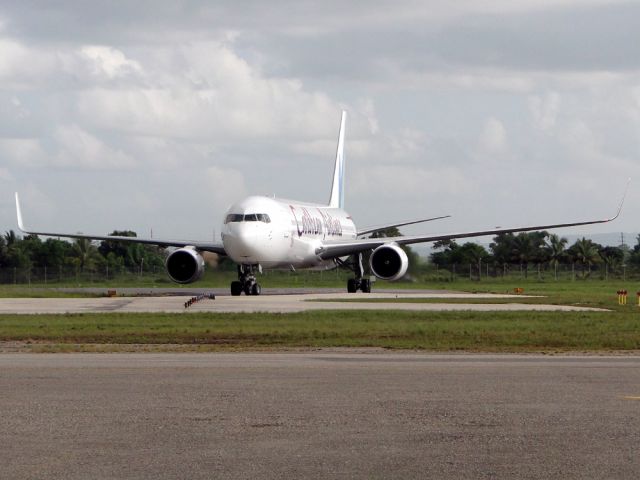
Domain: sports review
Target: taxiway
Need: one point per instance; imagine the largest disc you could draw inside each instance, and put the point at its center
(283, 303)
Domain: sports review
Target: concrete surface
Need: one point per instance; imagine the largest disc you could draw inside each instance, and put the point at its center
(267, 303)
(318, 415)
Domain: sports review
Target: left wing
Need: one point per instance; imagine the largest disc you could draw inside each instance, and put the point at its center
(203, 246)
(356, 246)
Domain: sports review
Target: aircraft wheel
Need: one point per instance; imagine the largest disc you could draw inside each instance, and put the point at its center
(352, 285)
(247, 289)
(256, 289)
(365, 285)
(236, 288)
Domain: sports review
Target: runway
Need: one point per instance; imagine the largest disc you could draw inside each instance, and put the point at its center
(318, 415)
(282, 303)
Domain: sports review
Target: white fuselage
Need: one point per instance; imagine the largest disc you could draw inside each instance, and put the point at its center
(278, 233)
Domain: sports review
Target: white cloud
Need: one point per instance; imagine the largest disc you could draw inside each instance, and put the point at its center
(109, 61)
(401, 182)
(22, 152)
(493, 138)
(209, 101)
(226, 185)
(213, 95)
(21, 66)
(5, 174)
(78, 148)
(544, 110)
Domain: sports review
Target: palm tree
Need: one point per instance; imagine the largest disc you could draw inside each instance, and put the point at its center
(555, 250)
(585, 252)
(10, 237)
(85, 253)
(524, 250)
(611, 256)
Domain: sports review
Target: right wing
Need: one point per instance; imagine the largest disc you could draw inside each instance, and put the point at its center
(203, 246)
(350, 247)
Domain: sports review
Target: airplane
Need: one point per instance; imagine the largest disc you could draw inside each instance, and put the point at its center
(263, 232)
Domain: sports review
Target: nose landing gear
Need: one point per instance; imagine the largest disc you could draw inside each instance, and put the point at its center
(246, 282)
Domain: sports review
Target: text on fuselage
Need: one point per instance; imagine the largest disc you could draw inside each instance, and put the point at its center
(307, 224)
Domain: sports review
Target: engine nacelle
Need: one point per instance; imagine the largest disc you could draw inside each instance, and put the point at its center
(389, 262)
(184, 265)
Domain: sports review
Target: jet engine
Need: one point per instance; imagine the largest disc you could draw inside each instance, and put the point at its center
(185, 265)
(389, 262)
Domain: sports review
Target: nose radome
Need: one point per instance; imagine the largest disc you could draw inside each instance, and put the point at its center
(242, 240)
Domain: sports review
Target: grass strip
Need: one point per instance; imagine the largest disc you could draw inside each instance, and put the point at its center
(437, 331)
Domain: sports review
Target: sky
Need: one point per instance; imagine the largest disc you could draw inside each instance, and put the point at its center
(156, 116)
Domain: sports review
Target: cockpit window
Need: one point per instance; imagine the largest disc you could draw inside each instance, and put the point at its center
(233, 217)
(249, 217)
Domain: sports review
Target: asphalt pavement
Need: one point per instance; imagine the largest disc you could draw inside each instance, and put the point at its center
(321, 415)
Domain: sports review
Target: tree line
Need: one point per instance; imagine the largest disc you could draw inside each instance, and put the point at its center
(81, 254)
(506, 250)
(536, 248)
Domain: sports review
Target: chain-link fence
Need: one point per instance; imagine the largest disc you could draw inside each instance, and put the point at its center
(419, 273)
(71, 274)
(560, 272)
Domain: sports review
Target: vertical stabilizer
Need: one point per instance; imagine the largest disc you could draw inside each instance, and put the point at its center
(337, 189)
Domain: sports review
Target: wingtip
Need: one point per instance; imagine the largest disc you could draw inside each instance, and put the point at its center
(19, 213)
(624, 195)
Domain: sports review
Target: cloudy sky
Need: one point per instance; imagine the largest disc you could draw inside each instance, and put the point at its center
(160, 114)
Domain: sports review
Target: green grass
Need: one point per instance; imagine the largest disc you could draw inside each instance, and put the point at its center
(435, 331)
(617, 330)
(20, 291)
(591, 293)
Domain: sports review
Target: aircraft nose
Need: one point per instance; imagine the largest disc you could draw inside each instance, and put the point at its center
(240, 240)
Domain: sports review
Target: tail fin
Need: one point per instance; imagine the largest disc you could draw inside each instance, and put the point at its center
(337, 189)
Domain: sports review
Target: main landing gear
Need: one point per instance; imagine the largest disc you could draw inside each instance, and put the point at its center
(246, 282)
(357, 283)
